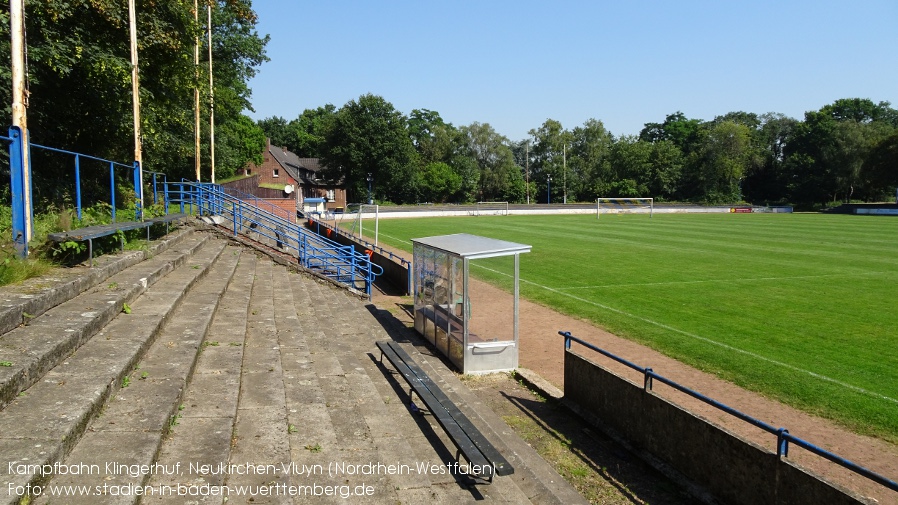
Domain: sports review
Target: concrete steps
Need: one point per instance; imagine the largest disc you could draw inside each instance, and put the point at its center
(242, 373)
(72, 366)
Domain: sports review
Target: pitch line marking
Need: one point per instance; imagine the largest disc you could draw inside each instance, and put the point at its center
(706, 281)
(707, 340)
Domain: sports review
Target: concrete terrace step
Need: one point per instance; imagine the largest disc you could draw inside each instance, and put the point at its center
(33, 349)
(42, 425)
(131, 427)
(22, 302)
(287, 375)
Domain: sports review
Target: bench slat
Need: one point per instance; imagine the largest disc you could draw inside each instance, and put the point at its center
(102, 230)
(464, 434)
(459, 436)
(502, 466)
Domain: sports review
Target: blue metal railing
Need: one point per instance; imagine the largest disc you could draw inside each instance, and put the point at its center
(368, 245)
(254, 219)
(782, 434)
(112, 166)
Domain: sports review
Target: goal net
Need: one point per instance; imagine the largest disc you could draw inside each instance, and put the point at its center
(625, 206)
(490, 209)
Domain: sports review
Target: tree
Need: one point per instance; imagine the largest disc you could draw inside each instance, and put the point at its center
(666, 161)
(829, 149)
(631, 162)
(500, 178)
(725, 158)
(677, 128)
(238, 141)
(440, 183)
(548, 151)
(588, 159)
(769, 181)
(369, 136)
(305, 134)
(434, 139)
(80, 82)
(880, 169)
(275, 129)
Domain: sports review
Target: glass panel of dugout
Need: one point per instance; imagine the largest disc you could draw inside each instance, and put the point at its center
(475, 341)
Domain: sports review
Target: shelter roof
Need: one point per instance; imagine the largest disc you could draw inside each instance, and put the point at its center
(472, 246)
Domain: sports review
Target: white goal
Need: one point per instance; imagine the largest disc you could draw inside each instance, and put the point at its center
(490, 209)
(625, 206)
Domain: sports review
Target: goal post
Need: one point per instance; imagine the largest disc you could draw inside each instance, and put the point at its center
(625, 205)
(369, 209)
(491, 209)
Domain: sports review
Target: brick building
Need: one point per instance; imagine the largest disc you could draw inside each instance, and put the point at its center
(281, 168)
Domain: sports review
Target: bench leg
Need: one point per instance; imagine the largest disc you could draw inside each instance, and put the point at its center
(90, 251)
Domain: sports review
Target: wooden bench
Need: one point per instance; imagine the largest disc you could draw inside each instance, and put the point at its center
(89, 233)
(484, 459)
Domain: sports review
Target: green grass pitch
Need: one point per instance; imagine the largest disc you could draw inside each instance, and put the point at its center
(800, 307)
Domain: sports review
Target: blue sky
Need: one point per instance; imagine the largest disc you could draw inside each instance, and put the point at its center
(514, 64)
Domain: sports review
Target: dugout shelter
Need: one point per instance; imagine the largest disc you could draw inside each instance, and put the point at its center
(446, 309)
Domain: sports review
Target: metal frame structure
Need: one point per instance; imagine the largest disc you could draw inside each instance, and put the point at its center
(442, 304)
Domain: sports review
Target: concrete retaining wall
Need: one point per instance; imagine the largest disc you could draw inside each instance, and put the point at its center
(731, 469)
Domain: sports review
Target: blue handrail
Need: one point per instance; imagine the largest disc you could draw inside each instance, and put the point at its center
(782, 434)
(380, 250)
(250, 216)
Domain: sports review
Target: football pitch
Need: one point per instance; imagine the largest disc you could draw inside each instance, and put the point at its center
(799, 307)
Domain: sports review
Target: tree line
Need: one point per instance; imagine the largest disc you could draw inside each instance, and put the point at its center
(79, 88)
(847, 150)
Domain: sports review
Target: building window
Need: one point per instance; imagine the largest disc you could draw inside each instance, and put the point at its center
(330, 195)
(276, 173)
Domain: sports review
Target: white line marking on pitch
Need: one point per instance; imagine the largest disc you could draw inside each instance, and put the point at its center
(746, 279)
(705, 339)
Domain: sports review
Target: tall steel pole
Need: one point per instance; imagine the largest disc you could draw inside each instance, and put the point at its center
(135, 98)
(527, 170)
(20, 115)
(196, 89)
(211, 96)
(564, 169)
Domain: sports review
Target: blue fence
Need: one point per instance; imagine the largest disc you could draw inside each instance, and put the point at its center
(113, 165)
(267, 224)
(783, 437)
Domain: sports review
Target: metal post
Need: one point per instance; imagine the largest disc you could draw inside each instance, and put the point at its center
(370, 179)
(78, 185)
(211, 99)
(196, 91)
(138, 190)
(20, 160)
(135, 99)
(18, 169)
(517, 292)
(527, 169)
(548, 189)
(112, 188)
(782, 443)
